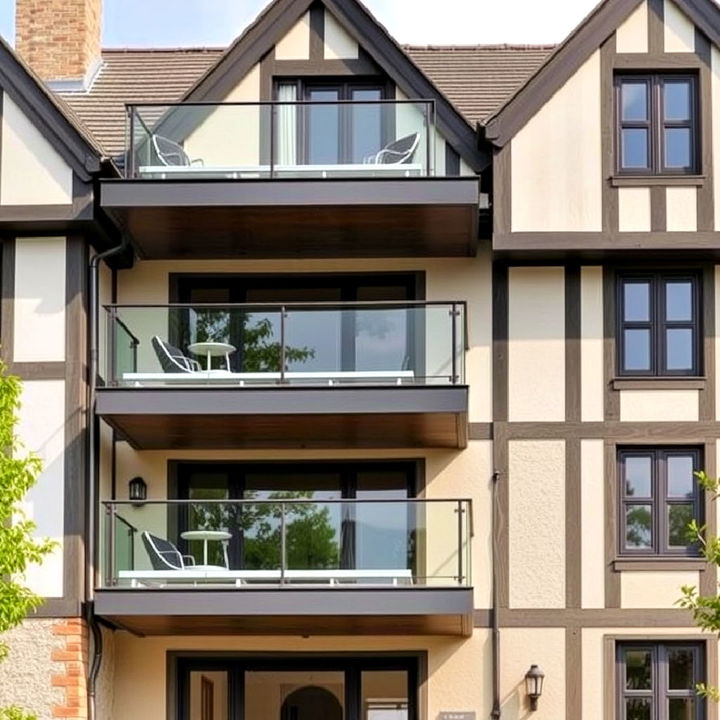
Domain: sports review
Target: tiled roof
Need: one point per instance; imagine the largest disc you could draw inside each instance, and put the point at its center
(477, 79)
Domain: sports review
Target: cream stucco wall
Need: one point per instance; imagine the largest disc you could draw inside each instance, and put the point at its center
(536, 523)
(561, 190)
(654, 589)
(632, 35)
(592, 396)
(681, 208)
(32, 172)
(659, 405)
(25, 673)
(521, 647)
(679, 30)
(459, 670)
(296, 43)
(715, 129)
(41, 431)
(39, 307)
(447, 279)
(717, 340)
(536, 344)
(592, 522)
(339, 45)
(230, 135)
(634, 209)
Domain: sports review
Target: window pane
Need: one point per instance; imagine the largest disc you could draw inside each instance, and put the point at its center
(635, 148)
(679, 349)
(384, 695)
(638, 670)
(638, 527)
(208, 696)
(324, 129)
(677, 100)
(637, 350)
(678, 152)
(634, 101)
(681, 672)
(680, 476)
(678, 301)
(638, 709)
(679, 517)
(638, 476)
(681, 709)
(366, 125)
(636, 297)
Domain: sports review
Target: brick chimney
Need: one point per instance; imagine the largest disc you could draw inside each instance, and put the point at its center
(60, 40)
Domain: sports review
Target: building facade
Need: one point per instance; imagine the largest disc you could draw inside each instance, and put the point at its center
(365, 377)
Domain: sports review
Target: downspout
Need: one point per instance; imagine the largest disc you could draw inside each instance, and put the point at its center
(496, 712)
(91, 494)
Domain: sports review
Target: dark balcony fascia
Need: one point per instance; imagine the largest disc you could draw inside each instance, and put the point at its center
(366, 217)
(288, 610)
(287, 417)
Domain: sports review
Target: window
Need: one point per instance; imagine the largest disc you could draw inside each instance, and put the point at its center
(659, 496)
(657, 124)
(658, 325)
(343, 122)
(657, 681)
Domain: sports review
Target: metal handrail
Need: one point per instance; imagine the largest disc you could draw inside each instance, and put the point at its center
(274, 103)
(296, 305)
(288, 501)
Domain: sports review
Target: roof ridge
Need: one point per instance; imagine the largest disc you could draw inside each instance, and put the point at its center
(483, 46)
(194, 49)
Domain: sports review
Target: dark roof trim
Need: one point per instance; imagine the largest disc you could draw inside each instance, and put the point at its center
(279, 18)
(587, 37)
(45, 111)
(705, 14)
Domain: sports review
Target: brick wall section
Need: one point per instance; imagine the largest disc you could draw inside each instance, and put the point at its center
(70, 668)
(59, 39)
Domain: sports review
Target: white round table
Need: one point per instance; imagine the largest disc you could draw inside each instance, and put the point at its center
(211, 350)
(205, 536)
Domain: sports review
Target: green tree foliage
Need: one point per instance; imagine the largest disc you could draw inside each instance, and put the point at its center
(18, 547)
(705, 608)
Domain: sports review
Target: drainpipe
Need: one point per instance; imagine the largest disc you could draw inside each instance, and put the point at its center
(90, 490)
(496, 712)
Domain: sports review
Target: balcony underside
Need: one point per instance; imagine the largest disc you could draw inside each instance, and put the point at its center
(290, 611)
(199, 418)
(211, 219)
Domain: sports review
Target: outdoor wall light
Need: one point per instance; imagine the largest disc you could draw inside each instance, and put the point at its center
(534, 679)
(137, 489)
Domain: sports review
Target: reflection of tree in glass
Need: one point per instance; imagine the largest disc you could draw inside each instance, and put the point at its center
(376, 323)
(259, 351)
(638, 526)
(311, 537)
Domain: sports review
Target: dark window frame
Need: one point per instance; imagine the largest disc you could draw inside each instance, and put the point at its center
(659, 500)
(658, 324)
(345, 87)
(660, 692)
(180, 665)
(656, 124)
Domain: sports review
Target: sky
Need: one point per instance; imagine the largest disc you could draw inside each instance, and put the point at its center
(176, 23)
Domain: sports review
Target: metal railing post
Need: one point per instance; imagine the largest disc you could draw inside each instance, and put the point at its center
(283, 544)
(460, 512)
(130, 159)
(282, 344)
(426, 121)
(112, 346)
(453, 323)
(111, 546)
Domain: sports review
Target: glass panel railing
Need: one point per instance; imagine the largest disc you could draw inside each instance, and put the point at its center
(287, 541)
(373, 343)
(284, 140)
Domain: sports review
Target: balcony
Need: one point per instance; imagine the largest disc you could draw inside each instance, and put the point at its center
(320, 375)
(287, 564)
(290, 179)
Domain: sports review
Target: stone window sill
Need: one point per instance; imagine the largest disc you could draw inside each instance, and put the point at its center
(660, 564)
(659, 383)
(657, 180)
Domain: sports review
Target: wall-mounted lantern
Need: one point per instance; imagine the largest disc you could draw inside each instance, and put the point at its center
(534, 679)
(137, 489)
